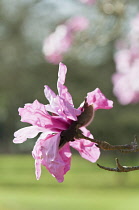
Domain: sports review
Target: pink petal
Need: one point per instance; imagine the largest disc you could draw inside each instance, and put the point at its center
(63, 90)
(35, 114)
(27, 132)
(49, 94)
(62, 108)
(62, 73)
(86, 148)
(61, 104)
(98, 100)
(52, 159)
(70, 111)
(66, 157)
(37, 154)
(38, 168)
(56, 106)
(58, 123)
(67, 102)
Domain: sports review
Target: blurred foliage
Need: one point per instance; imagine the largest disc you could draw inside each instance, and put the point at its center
(24, 71)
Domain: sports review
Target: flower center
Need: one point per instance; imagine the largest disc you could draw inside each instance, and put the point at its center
(73, 132)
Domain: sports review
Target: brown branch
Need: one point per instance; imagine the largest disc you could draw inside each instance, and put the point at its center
(133, 147)
(119, 167)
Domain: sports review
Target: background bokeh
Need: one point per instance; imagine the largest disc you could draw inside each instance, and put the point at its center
(24, 72)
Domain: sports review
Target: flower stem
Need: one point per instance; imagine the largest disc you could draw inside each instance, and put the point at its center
(119, 167)
(133, 147)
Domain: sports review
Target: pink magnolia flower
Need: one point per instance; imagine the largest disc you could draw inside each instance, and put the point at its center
(126, 85)
(125, 59)
(89, 2)
(133, 35)
(126, 79)
(60, 41)
(78, 23)
(51, 149)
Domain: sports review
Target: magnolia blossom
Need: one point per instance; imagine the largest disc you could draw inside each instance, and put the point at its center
(126, 85)
(126, 79)
(62, 38)
(89, 2)
(125, 59)
(133, 35)
(48, 150)
(78, 23)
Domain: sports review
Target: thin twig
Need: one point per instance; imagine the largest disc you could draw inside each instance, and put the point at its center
(133, 147)
(119, 167)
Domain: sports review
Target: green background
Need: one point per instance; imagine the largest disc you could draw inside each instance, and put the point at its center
(85, 187)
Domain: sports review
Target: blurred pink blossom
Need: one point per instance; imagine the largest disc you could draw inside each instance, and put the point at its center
(47, 150)
(133, 35)
(60, 41)
(78, 23)
(126, 79)
(89, 2)
(125, 58)
(126, 85)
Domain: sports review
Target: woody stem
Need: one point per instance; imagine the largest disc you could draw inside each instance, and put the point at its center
(106, 146)
(119, 167)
